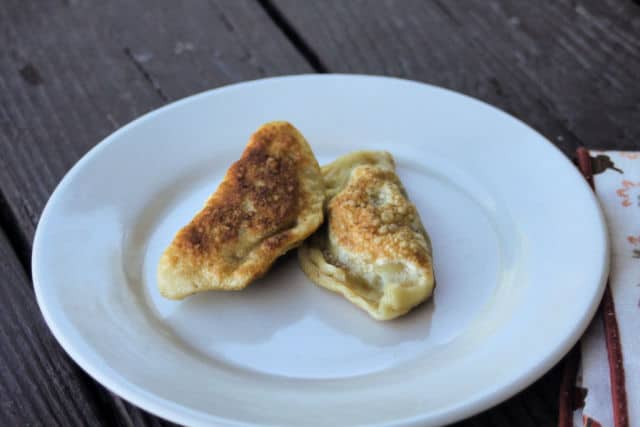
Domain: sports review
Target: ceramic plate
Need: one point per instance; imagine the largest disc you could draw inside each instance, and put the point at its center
(520, 253)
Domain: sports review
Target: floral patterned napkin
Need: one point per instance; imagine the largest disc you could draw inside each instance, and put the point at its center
(606, 364)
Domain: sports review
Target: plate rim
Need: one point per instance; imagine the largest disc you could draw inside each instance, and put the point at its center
(182, 414)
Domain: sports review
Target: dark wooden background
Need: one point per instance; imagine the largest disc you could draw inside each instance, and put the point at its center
(73, 71)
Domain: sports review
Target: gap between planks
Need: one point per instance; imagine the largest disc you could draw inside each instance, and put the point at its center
(18, 240)
(293, 36)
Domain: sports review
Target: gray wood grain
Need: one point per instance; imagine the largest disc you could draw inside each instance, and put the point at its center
(567, 68)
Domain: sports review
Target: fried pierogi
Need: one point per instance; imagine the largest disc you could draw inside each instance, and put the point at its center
(268, 202)
(373, 248)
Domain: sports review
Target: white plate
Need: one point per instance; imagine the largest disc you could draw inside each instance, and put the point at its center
(519, 243)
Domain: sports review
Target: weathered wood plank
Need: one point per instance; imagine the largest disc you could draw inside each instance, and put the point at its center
(71, 73)
(567, 68)
(188, 47)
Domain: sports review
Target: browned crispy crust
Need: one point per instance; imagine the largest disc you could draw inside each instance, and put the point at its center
(268, 202)
(365, 220)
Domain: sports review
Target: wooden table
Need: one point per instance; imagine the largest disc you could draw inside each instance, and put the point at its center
(73, 71)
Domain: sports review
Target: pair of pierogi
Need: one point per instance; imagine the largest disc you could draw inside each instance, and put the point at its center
(358, 233)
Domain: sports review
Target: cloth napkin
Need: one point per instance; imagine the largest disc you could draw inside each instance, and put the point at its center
(601, 384)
